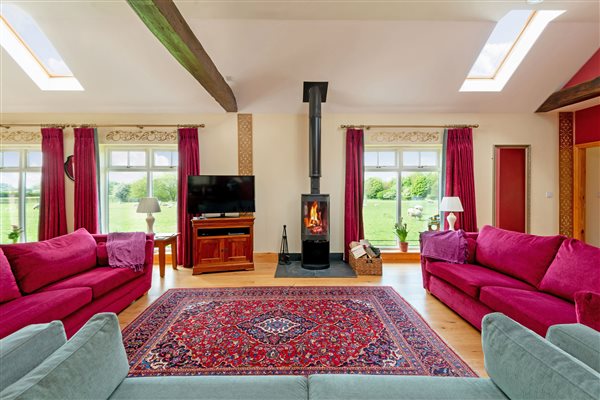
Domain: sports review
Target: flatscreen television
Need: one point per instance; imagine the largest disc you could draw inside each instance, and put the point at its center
(208, 194)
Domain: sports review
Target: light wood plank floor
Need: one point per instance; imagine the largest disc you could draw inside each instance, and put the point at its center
(405, 278)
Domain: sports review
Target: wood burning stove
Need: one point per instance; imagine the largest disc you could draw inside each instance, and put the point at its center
(315, 206)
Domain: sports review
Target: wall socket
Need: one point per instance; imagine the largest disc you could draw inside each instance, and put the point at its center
(549, 195)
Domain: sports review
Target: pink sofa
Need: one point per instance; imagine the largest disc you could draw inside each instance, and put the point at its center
(65, 278)
(532, 279)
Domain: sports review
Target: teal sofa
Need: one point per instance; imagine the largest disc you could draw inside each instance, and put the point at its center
(38, 362)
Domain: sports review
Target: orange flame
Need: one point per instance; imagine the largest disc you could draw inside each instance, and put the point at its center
(313, 221)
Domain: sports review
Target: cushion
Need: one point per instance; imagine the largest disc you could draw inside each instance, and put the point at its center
(101, 280)
(39, 263)
(8, 285)
(522, 256)
(525, 366)
(365, 387)
(471, 249)
(27, 348)
(536, 310)
(587, 309)
(90, 366)
(470, 278)
(213, 388)
(41, 308)
(102, 255)
(576, 267)
(580, 341)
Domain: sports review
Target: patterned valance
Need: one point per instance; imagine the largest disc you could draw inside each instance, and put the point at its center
(9, 136)
(413, 136)
(114, 136)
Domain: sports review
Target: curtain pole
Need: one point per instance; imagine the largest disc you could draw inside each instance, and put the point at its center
(410, 126)
(139, 126)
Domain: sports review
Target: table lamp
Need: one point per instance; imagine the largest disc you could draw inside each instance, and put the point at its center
(149, 205)
(451, 204)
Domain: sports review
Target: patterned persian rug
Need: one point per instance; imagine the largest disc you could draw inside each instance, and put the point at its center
(285, 331)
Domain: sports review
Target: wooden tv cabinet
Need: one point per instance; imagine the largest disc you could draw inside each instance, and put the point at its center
(223, 244)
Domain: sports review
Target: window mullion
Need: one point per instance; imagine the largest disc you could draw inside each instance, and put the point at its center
(22, 195)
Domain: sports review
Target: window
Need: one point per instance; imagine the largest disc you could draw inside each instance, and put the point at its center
(20, 177)
(27, 44)
(404, 182)
(507, 46)
(133, 173)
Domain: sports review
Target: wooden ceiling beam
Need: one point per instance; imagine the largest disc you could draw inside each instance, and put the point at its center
(572, 95)
(166, 23)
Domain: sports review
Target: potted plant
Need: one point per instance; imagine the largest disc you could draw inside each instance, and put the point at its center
(15, 233)
(401, 230)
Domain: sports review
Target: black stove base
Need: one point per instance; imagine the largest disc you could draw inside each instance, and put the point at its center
(315, 254)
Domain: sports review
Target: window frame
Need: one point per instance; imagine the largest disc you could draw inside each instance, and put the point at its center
(399, 168)
(149, 167)
(22, 169)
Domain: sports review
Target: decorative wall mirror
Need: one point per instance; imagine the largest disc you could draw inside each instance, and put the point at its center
(70, 168)
(511, 197)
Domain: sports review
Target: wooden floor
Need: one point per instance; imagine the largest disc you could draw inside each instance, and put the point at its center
(405, 278)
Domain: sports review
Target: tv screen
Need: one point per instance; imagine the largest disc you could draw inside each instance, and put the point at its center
(220, 194)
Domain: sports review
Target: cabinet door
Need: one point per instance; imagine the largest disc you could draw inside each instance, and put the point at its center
(236, 249)
(208, 251)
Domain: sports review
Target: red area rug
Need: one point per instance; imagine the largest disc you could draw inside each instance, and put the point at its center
(285, 331)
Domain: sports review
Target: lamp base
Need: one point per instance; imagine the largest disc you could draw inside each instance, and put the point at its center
(150, 222)
(451, 218)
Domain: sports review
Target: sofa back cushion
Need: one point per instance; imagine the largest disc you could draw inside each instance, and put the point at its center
(580, 341)
(8, 286)
(37, 264)
(575, 268)
(89, 366)
(519, 255)
(526, 366)
(27, 348)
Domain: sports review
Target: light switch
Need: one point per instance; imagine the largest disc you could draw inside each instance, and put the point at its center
(549, 195)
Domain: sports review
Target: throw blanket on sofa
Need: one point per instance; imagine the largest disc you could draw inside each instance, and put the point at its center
(450, 246)
(126, 250)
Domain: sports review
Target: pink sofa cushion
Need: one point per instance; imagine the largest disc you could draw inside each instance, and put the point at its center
(39, 263)
(576, 267)
(8, 286)
(522, 256)
(102, 255)
(101, 280)
(470, 278)
(587, 308)
(535, 310)
(40, 308)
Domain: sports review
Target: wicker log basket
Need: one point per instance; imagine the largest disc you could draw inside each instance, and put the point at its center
(365, 265)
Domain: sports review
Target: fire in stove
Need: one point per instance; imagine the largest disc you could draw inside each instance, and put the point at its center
(314, 221)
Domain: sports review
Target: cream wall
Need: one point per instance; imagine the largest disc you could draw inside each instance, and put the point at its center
(280, 148)
(281, 167)
(592, 196)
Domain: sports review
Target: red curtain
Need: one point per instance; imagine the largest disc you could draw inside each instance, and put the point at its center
(353, 218)
(460, 181)
(53, 217)
(86, 189)
(189, 164)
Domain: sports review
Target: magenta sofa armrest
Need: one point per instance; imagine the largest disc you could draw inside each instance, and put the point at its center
(425, 273)
(472, 235)
(149, 249)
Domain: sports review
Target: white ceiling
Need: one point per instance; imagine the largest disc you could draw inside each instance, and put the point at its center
(379, 57)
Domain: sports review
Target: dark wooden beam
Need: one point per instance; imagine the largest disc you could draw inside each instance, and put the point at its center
(574, 94)
(166, 23)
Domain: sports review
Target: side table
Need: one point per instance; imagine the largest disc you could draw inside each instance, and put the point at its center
(161, 241)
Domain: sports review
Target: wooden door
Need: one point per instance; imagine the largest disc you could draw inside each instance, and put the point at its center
(236, 249)
(511, 188)
(209, 250)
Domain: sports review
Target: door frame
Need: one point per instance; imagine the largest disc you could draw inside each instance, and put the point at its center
(579, 187)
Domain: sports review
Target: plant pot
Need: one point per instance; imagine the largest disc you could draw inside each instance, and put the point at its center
(404, 247)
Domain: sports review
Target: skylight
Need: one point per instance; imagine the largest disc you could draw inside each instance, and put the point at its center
(505, 49)
(23, 39)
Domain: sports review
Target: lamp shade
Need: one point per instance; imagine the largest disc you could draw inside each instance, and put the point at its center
(148, 205)
(451, 204)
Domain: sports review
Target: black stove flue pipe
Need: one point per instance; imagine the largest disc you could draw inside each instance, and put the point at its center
(315, 93)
